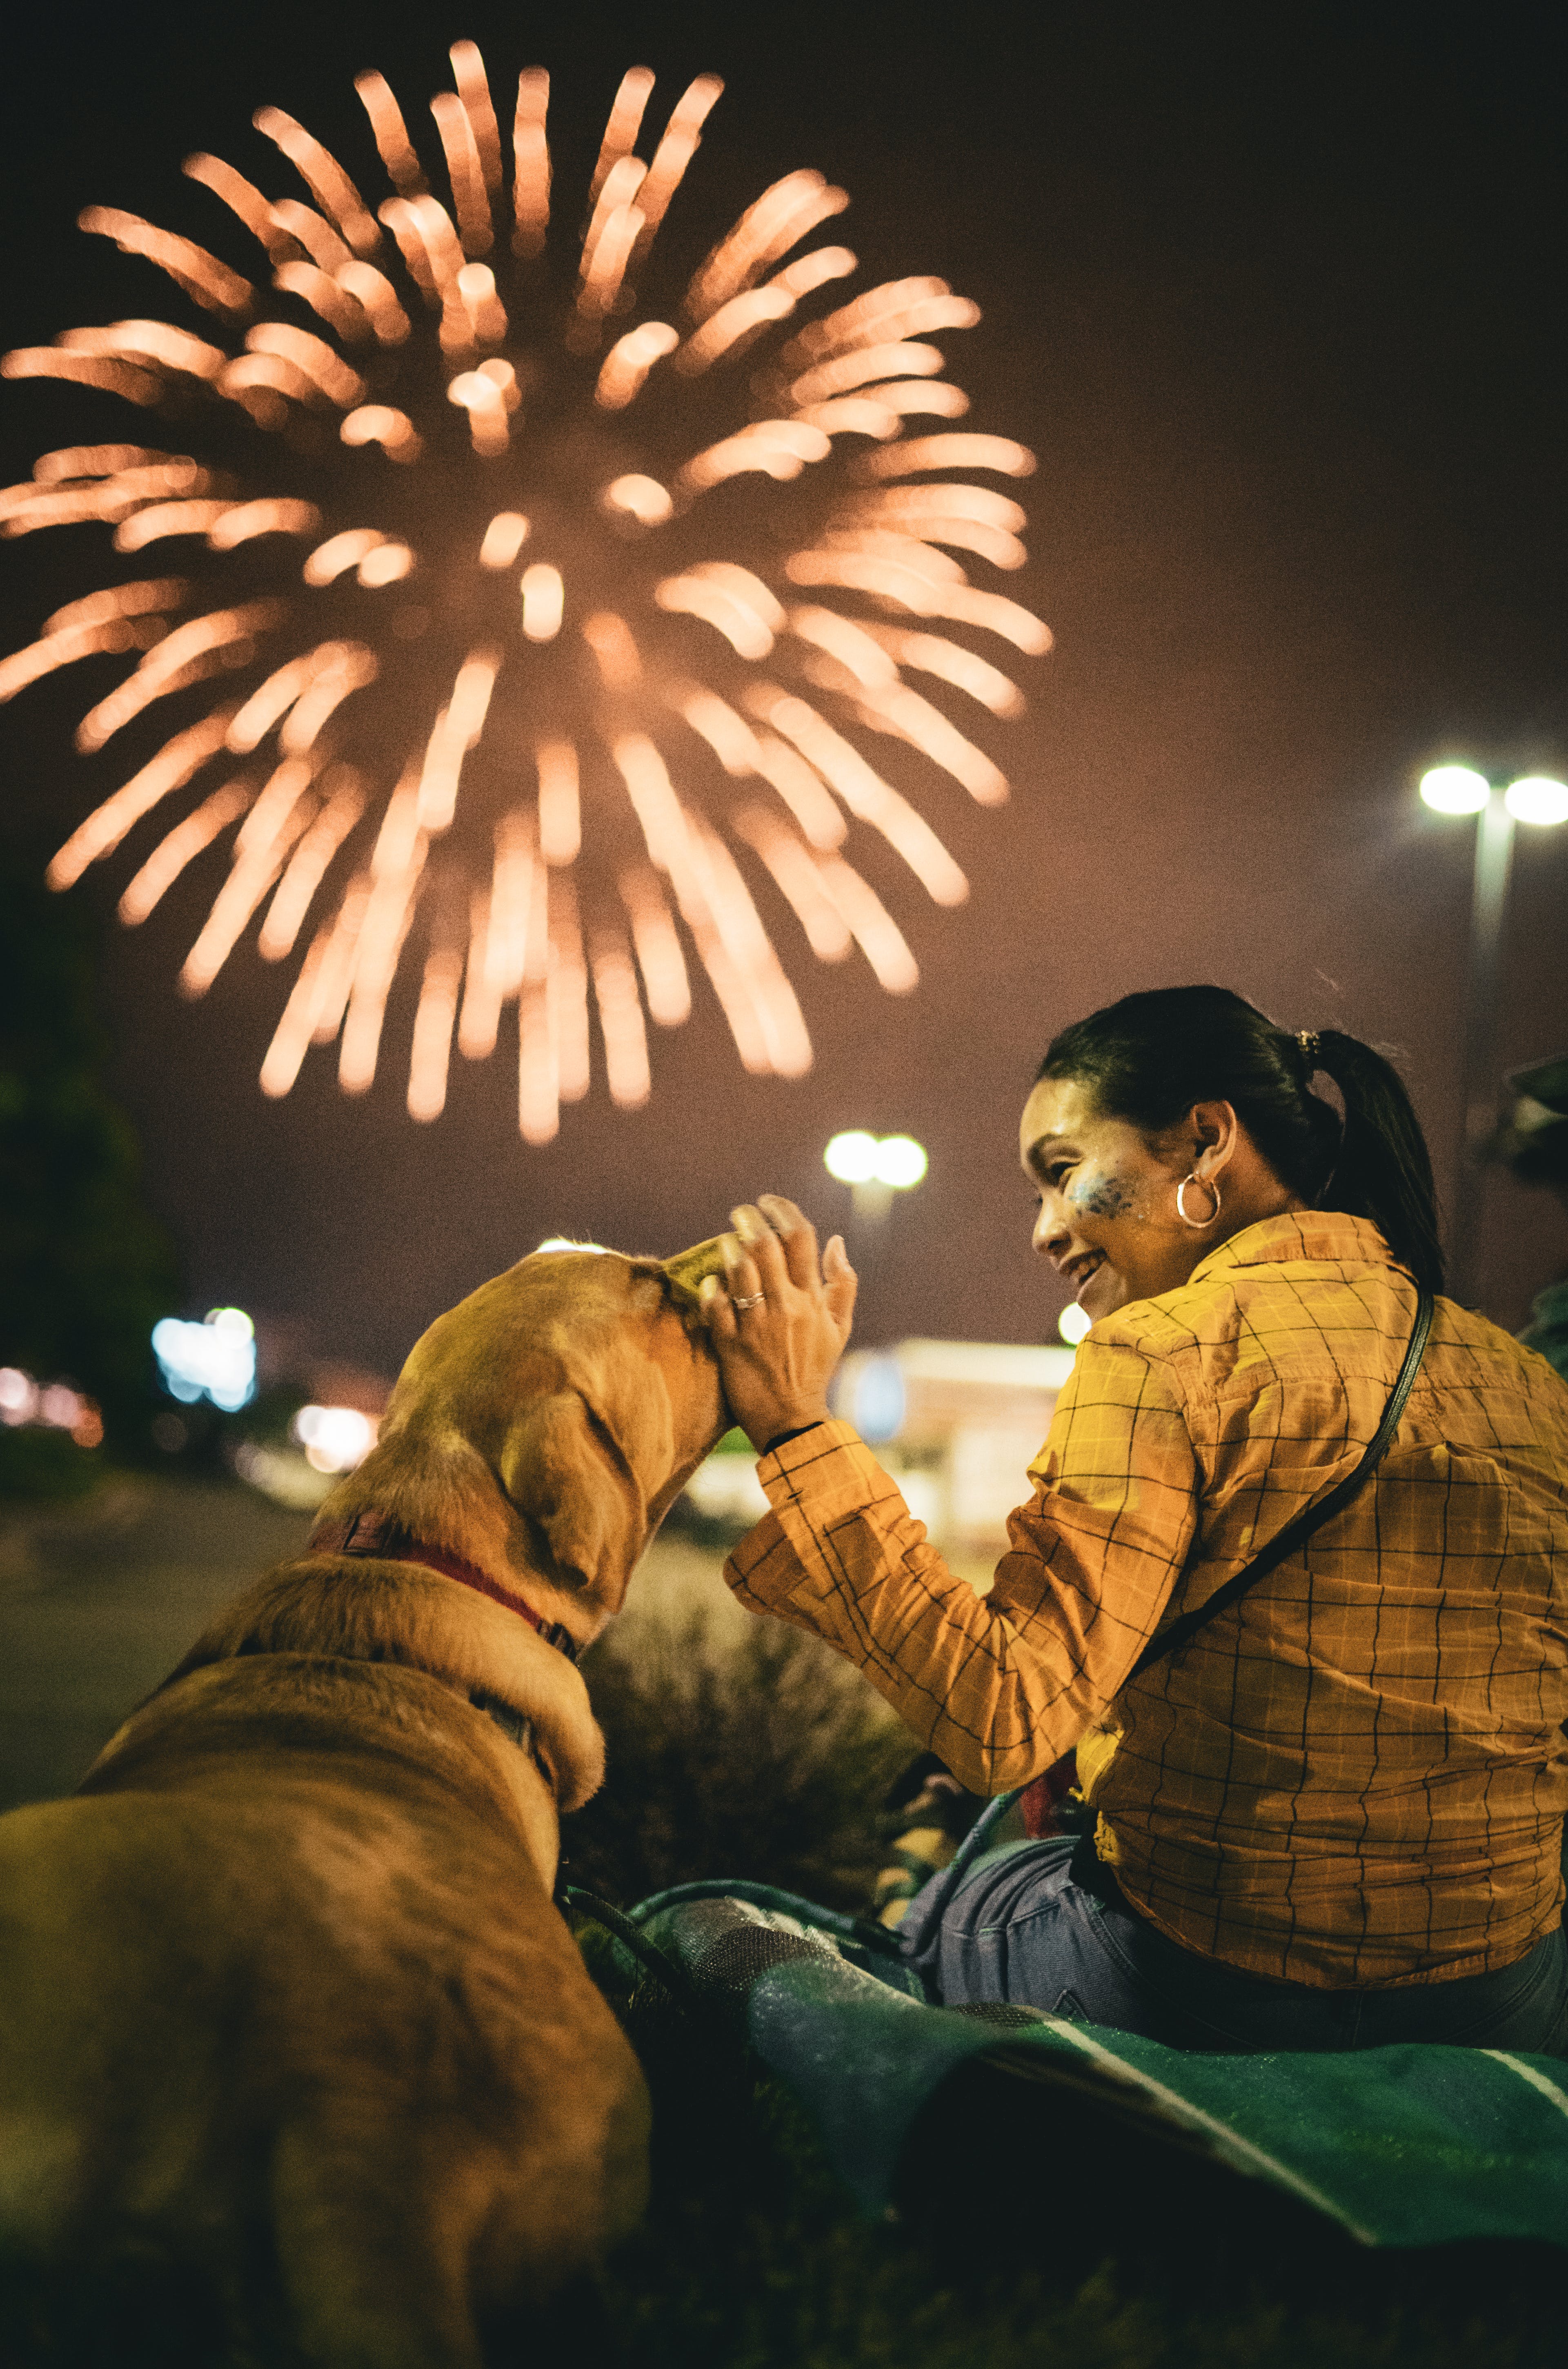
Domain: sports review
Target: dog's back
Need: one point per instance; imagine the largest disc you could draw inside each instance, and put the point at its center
(284, 2004)
(373, 2039)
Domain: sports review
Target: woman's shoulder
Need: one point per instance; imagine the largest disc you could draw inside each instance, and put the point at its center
(1243, 1320)
(1470, 1352)
(1152, 1333)
(1237, 1329)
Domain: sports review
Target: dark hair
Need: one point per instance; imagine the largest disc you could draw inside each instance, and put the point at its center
(1150, 1058)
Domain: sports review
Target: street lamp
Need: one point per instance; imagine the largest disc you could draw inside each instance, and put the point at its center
(1536, 798)
(875, 1167)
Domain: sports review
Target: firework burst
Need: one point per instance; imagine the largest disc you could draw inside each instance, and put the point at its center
(457, 540)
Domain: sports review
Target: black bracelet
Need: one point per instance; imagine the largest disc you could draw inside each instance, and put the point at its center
(783, 1439)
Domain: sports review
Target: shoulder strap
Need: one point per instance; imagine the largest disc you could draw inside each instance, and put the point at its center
(1311, 1517)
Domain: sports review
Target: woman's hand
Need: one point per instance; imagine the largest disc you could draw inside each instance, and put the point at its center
(783, 1323)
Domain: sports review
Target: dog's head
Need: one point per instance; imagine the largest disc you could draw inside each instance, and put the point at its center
(542, 1428)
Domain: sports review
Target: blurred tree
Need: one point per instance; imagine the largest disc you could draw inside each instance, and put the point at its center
(86, 1268)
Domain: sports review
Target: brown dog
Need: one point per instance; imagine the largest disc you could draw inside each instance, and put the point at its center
(283, 2000)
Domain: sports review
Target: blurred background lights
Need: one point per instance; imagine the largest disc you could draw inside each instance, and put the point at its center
(215, 1359)
(1454, 790)
(1534, 798)
(1537, 798)
(852, 1157)
(877, 1400)
(54, 1406)
(901, 1161)
(857, 1157)
(1073, 1324)
(1457, 790)
(334, 1438)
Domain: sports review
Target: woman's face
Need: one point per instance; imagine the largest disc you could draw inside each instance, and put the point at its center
(1107, 1218)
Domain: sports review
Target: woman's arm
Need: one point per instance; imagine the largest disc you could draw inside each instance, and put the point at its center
(999, 1684)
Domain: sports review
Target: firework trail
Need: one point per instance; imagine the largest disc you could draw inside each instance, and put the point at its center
(520, 719)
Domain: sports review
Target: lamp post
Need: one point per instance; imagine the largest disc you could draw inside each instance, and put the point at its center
(874, 1168)
(1534, 798)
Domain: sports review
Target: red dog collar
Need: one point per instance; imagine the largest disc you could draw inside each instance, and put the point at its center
(374, 1534)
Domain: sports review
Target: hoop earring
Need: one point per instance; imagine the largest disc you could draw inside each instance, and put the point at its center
(1198, 1225)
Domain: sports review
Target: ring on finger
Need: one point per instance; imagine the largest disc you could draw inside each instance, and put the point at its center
(749, 1299)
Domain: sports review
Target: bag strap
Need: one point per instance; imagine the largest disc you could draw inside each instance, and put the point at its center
(1311, 1519)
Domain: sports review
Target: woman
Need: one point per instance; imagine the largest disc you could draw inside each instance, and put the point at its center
(1333, 1817)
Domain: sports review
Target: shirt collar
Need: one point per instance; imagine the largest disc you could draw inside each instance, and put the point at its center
(1323, 1236)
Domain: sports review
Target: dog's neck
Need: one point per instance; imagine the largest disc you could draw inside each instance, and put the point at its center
(357, 1609)
(378, 1534)
(516, 1726)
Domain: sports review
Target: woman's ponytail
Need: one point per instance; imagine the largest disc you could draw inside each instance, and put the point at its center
(1383, 1169)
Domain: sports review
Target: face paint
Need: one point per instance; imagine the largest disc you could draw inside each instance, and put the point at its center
(1103, 1196)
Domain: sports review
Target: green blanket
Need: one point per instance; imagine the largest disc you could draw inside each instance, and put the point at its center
(1411, 2145)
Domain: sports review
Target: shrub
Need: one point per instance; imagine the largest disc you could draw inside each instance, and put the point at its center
(736, 1747)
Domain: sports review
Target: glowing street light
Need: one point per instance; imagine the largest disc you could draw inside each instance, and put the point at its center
(875, 1167)
(1455, 790)
(1540, 800)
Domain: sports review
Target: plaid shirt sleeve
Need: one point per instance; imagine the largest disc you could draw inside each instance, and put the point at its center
(999, 1684)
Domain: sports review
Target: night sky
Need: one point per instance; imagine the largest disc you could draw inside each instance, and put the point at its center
(1277, 296)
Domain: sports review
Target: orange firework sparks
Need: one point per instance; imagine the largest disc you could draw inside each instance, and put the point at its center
(567, 618)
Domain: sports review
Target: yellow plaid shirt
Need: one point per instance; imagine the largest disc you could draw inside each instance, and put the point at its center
(1355, 1775)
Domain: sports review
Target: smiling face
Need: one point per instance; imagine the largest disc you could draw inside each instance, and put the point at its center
(1108, 1219)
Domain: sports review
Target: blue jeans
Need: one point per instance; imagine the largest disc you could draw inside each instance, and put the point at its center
(1031, 1926)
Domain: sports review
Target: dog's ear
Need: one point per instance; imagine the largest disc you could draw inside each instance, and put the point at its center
(687, 1269)
(561, 1473)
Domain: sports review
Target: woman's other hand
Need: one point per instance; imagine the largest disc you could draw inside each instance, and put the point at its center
(780, 1322)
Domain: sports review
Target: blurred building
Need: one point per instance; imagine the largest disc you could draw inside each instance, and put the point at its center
(957, 1423)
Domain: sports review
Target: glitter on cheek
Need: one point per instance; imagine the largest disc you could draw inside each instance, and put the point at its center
(1103, 1196)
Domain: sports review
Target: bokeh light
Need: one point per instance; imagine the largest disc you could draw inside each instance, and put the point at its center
(852, 1157)
(1454, 790)
(857, 1157)
(214, 1360)
(334, 1438)
(51, 1406)
(901, 1161)
(878, 1400)
(1537, 798)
